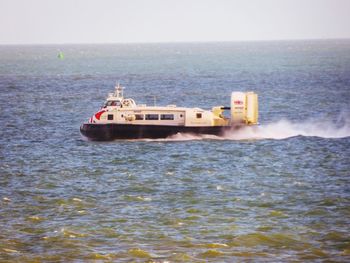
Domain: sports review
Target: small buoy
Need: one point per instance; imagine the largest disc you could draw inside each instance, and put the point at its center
(60, 55)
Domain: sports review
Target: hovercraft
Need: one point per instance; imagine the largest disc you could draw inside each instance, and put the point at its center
(122, 118)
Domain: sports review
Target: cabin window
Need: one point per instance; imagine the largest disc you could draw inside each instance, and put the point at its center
(139, 117)
(152, 117)
(110, 117)
(167, 116)
(199, 115)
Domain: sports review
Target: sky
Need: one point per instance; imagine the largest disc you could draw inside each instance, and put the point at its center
(125, 21)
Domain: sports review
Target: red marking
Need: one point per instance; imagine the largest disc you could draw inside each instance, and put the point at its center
(238, 102)
(98, 114)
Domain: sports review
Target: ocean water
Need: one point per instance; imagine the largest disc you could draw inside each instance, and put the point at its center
(276, 192)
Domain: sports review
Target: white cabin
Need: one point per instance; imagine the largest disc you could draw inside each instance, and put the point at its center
(120, 110)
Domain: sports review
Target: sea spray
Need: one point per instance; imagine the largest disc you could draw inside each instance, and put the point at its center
(278, 130)
(284, 129)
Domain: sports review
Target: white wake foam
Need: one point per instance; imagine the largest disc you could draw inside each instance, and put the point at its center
(284, 129)
(279, 130)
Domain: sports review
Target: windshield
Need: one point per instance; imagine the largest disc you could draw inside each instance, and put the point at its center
(112, 103)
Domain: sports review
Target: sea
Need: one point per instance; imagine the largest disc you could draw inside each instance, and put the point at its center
(275, 192)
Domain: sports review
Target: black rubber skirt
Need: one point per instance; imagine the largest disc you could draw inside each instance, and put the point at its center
(106, 132)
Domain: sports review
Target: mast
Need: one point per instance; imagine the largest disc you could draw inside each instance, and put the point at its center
(118, 91)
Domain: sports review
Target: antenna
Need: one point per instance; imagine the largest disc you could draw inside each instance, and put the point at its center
(154, 100)
(118, 90)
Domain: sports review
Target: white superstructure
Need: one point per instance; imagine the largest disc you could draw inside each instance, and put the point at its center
(120, 110)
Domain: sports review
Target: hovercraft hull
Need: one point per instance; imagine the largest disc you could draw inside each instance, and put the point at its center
(107, 132)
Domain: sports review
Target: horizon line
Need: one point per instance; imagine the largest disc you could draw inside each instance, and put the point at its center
(172, 42)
